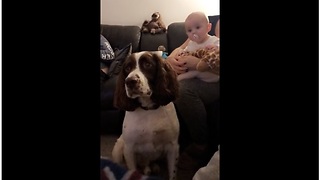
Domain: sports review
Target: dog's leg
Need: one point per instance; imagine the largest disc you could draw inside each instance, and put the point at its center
(117, 151)
(145, 162)
(172, 159)
(147, 170)
(129, 156)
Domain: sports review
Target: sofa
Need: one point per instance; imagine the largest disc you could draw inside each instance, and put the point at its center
(121, 35)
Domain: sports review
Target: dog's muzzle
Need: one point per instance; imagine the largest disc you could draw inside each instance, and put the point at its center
(134, 87)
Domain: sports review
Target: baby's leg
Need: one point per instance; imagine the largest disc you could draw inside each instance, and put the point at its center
(188, 75)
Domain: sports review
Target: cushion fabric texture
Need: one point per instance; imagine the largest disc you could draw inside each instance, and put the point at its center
(106, 49)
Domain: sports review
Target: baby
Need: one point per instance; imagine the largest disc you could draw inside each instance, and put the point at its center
(197, 27)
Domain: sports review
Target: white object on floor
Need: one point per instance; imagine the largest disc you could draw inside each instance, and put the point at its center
(211, 171)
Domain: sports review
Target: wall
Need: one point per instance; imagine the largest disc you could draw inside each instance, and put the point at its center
(134, 12)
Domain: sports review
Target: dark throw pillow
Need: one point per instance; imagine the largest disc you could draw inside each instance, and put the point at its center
(106, 51)
(120, 57)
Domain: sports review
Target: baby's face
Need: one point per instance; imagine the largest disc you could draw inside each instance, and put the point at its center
(197, 29)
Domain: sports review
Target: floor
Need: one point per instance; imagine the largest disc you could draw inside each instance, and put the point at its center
(106, 144)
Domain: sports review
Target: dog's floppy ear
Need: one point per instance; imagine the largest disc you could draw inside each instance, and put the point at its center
(166, 83)
(121, 99)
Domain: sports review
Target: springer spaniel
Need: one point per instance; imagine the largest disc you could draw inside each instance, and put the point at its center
(145, 89)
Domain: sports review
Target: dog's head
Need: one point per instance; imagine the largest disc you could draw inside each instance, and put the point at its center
(146, 80)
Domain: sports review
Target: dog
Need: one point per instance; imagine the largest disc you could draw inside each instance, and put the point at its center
(146, 87)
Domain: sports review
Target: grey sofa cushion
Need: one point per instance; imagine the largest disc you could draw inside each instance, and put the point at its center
(176, 35)
(151, 42)
(213, 20)
(120, 36)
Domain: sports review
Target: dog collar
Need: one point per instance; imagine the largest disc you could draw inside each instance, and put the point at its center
(155, 106)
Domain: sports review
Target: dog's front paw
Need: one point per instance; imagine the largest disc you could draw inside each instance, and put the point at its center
(155, 168)
(147, 170)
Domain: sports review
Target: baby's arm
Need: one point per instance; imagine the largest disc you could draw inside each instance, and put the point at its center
(215, 45)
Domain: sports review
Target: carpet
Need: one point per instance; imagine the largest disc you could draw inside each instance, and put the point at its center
(112, 171)
(106, 144)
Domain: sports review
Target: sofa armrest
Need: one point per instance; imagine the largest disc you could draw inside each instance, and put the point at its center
(121, 35)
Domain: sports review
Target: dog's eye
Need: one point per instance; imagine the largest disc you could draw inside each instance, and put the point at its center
(147, 65)
(127, 69)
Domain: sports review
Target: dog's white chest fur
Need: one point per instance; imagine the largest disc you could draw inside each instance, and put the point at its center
(149, 133)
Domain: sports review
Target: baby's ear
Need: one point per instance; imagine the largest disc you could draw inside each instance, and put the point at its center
(209, 27)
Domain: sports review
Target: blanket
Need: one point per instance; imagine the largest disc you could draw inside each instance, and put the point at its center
(112, 171)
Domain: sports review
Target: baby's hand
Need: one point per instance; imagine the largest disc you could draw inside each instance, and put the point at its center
(177, 56)
(211, 47)
(180, 53)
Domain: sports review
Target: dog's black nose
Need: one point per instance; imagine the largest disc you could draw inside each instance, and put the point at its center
(132, 82)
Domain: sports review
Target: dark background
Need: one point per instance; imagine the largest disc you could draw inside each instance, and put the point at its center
(269, 95)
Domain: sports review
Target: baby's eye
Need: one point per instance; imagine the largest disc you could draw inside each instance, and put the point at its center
(198, 27)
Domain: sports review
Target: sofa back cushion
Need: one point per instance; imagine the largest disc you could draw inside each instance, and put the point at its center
(151, 42)
(119, 36)
(176, 35)
(213, 20)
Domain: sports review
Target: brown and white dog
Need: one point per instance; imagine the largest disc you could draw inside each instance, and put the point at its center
(145, 89)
